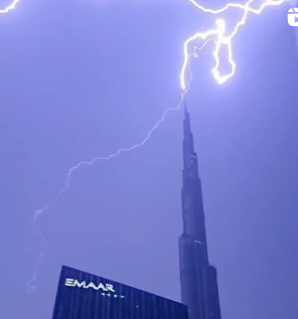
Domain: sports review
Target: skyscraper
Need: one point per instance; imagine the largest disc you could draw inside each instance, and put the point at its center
(199, 287)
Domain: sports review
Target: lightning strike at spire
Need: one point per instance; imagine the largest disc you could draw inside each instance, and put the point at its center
(121, 150)
(30, 283)
(216, 35)
(221, 38)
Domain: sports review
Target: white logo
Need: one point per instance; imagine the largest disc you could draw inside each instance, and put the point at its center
(70, 282)
(105, 288)
(293, 17)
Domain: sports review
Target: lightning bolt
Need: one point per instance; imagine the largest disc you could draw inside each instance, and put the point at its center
(121, 150)
(220, 39)
(10, 7)
(39, 212)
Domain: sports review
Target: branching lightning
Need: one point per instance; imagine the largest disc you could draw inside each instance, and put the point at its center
(220, 39)
(121, 150)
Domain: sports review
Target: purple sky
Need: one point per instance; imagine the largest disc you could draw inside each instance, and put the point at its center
(80, 79)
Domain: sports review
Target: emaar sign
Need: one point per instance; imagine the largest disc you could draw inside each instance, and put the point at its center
(70, 282)
(106, 289)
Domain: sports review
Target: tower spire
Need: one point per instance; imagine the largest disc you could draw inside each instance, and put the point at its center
(189, 154)
(192, 200)
(187, 127)
(186, 119)
(185, 108)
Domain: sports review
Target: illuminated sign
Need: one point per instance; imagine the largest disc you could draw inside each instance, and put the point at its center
(106, 289)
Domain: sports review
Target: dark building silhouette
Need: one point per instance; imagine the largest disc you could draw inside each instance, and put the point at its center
(85, 296)
(199, 287)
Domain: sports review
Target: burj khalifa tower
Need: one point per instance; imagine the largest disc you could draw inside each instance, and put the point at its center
(199, 287)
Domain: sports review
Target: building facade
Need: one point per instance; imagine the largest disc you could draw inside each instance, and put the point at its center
(85, 296)
(199, 287)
